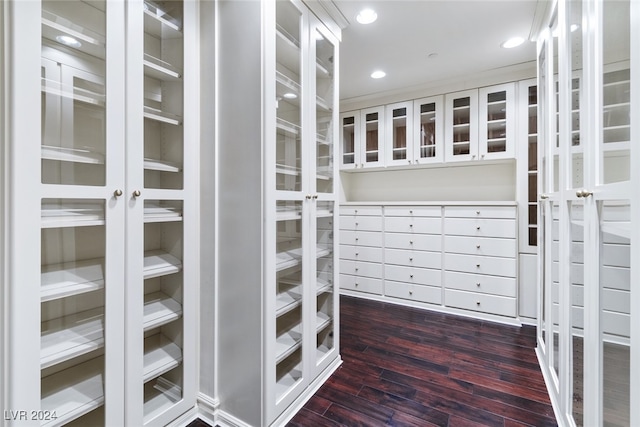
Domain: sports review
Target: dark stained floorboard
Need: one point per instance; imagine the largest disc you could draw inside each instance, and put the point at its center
(410, 367)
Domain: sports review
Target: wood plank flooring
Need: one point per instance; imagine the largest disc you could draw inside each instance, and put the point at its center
(410, 367)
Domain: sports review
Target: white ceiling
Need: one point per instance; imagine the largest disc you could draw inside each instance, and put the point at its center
(465, 35)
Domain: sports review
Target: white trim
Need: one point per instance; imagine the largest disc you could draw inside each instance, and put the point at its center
(548, 381)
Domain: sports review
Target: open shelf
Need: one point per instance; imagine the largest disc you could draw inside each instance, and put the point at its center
(160, 309)
(160, 355)
(75, 155)
(159, 263)
(72, 214)
(71, 278)
(159, 69)
(73, 392)
(288, 342)
(70, 336)
(288, 170)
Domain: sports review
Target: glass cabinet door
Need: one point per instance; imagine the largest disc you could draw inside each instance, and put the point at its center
(325, 300)
(372, 134)
(325, 57)
(497, 123)
(350, 140)
(428, 137)
(399, 136)
(461, 127)
(289, 163)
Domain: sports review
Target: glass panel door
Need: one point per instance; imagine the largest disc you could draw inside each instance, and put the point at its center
(350, 131)
(461, 126)
(399, 136)
(428, 121)
(325, 272)
(372, 131)
(325, 100)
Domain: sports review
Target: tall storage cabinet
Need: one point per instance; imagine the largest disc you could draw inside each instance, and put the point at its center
(277, 272)
(102, 320)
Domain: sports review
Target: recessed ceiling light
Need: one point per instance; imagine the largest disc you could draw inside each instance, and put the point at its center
(378, 74)
(69, 41)
(290, 95)
(512, 42)
(366, 16)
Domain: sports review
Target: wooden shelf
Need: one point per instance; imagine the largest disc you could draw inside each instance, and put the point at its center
(73, 392)
(159, 263)
(160, 309)
(161, 116)
(70, 336)
(159, 69)
(154, 212)
(288, 342)
(160, 355)
(74, 155)
(72, 214)
(71, 278)
(161, 165)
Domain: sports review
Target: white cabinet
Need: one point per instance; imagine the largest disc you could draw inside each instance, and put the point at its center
(461, 126)
(350, 140)
(428, 130)
(362, 138)
(113, 264)
(278, 266)
(399, 136)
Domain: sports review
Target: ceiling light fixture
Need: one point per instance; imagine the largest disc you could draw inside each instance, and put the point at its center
(378, 74)
(366, 16)
(69, 41)
(512, 42)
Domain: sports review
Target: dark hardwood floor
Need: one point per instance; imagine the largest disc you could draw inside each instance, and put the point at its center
(410, 367)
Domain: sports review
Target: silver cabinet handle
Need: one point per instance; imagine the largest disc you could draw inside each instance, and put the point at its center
(136, 193)
(544, 196)
(315, 197)
(478, 284)
(583, 193)
(117, 193)
(308, 197)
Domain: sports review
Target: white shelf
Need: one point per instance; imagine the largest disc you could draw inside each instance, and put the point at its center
(160, 309)
(289, 299)
(75, 155)
(159, 263)
(70, 336)
(324, 213)
(161, 165)
(287, 127)
(73, 392)
(287, 259)
(289, 380)
(161, 116)
(72, 214)
(323, 286)
(73, 92)
(159, 23)
(288, 83)
(71, 278)
(288, 342)
(287, 170)
(286, 37)
(159, 69)
(161, 213)
(160, 355)
(92, 42)
(165, 394)
(322, 321)
(288, 213)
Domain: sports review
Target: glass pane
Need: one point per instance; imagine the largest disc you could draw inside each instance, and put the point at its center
(372, 143)
(615, 320)
(616, 102)
(461, 126)
(72, 291)
(163, 95)
(399, 141)
(428, 130)
(556, 109)
(554, 312)
(348, 140)
(289, 273)
(73, 92)
(324, 279)
(288, 97)
(497, 122)
(325, 75)
(577, 309)
(163, 295)
(532, 160)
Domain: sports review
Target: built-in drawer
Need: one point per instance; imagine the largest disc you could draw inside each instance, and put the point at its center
(506, 267)
(507, 212)
(422, 259)
(419, 242)
(485, 303)
(361, 223)
(360, 268)
(408, 291)
(361, 253)
(480, 246)
(423, 276)
(495, 285)
(413, 211)
(395, 224)
(361, 210)
(361, 284)
(478, 227)
(361, 238)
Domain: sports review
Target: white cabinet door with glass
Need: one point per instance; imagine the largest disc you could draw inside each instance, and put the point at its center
(362, 138)
(399, 137)
(497, 122)
(427, 129)
(98, 201)
(461, 126)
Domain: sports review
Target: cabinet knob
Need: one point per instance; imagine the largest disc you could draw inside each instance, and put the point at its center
(478, 228)
(136, 193)
(410, 292)
(308, 197)
(477, 246)
(544, 197)
(356, 253)
(117, 193)
(411, 242)
(356, 239)
(315, 197)
(410, 259)
(478, 284)
(478, 265)
(477, 212)
(411, 276)
(411, 212)
(409, 161)
(356, 285)
(410, 225)
(356, 268)
(478, 303)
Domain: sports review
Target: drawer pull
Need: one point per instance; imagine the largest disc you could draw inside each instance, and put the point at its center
(356, 268)
(356, 239)
(478, 265)
(411, 276)
(477, 212)
(410, 292)
(478, 284)
(356, 211)
(478, 303)
(410, 259)
(357, 253)
(411, 212)
(356, 285)
(411, 242)
(478, 228)
(477, 246)
(410, 225)
(356, 224)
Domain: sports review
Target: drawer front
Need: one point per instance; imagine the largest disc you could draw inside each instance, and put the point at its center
(421, 259)
(504, 286)
(478, 227)
(361, 223)
(359, 268)
(480, 246)
(422, 276)
(421, 293)
(418, 242)
(506, 212)
(361, 284)
(413, 211)
(361, 210)
(480, 265)
(418, 225)
(361, 253)
(361, 238)
(492, 304)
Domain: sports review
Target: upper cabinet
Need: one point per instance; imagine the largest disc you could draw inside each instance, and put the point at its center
(399, 138)
(461, 126)
(428, 130)
(362, 138)
(497, 122)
